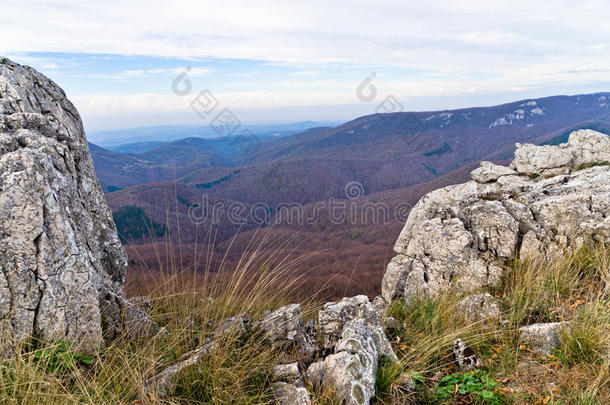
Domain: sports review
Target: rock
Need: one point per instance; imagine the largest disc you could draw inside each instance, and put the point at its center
(137, 323)
(584, 147)
(164, 383)
(290, 394)
(285, 330)
(479, 307)
(392, 323)
(351, 371)
(456, 237)
(464, 357)
(335, 315)
(289, 388)
(288, 373)
(62, 264)
(542, 338)
(489, 172)
(380, 305)
(143, 302)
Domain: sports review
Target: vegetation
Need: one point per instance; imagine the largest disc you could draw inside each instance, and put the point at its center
(212, 183)
(133, 223)
(446, 148)
(573, 288)
(113, 188)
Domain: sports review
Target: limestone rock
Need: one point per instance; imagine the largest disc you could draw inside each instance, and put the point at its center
(479, 307)
(285, 329)
(456, 237)
(335, 315)
(489, 172)
(289, 388)
(351, 370)
(584, 147)
(290, 394)
(288, 373)
(62, 265)
(542, 338)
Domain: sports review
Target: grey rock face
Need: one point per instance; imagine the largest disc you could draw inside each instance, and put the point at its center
(583, 147)
(285, 329)
(289, 388)
(290, 394)
(62, 266)
(456, 236)
(542, 338)
(351, 370)
(335, 315)
(489, 172)
(479, 307)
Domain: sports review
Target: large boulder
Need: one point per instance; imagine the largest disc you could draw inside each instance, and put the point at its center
(62, 266)
(552, 198)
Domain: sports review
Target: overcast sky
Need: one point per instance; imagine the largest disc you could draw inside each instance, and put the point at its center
(282, 61)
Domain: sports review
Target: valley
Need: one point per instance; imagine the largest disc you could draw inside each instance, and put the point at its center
(334, 198)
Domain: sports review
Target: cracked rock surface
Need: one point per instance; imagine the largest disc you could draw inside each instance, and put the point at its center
(553, 198)
(62, 266)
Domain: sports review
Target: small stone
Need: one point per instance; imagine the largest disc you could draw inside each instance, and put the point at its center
(334, 316)
(542, 338)
(465, 358)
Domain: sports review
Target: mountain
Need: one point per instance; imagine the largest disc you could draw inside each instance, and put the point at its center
(136, 147)
(169, 133)
(388, 159)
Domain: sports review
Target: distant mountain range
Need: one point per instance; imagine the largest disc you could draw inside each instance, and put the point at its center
(126, 139)
(394, 158)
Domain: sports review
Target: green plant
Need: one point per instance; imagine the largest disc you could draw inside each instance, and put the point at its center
(476, 385)
(61, 358)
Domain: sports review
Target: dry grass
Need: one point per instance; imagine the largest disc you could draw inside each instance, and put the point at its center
(573, 288)
(189, 305)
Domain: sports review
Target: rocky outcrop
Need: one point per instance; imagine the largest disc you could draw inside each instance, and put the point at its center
(62, 266)
(550, 199)
(335, 315)
(286, 331)
(353, 340)
(351, 370)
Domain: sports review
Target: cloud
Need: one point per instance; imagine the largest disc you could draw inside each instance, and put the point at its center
(315, 52)
(442, 35)
(306, 73)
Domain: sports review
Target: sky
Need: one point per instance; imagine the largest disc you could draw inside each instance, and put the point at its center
(142, 63)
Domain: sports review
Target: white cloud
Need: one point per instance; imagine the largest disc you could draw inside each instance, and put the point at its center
(306, 73)
(491, 35)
